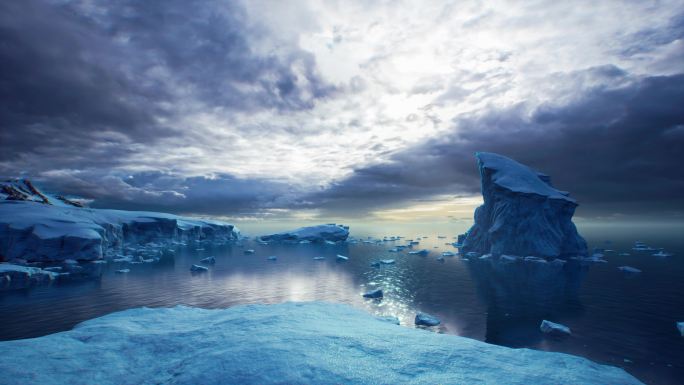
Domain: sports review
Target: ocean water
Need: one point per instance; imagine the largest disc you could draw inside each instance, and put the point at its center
(616, 319)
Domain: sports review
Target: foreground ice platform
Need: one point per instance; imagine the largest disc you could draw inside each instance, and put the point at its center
(290, 343)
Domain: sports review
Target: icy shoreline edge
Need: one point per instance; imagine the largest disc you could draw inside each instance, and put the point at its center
(313, 342)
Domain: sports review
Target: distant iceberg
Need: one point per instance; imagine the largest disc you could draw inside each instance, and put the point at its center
(330, 233)
(522, 214)
(245, 344)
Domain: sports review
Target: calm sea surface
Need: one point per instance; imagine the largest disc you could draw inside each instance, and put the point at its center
(616, 319)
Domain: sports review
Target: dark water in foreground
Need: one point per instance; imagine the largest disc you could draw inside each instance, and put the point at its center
(618, 320)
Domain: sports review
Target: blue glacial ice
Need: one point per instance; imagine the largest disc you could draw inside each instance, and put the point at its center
(290, 343)
(208, 260)
(629, 270)
(198, 269)
(424, 319)
(330, 233)
(552, 328)
(42, 232)
(377, 293)
(522, 214)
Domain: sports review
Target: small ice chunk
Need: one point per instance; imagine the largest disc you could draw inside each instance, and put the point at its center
(448, 254)
(272, 258)
(680, 327)
(198, 269)
(552, 328)
(387, 261)
(424, 319)
(422, 252)
(341, 257)
(629, 269)
(377, 293)
(318, 258)
(210, 260)
(249, 251)
(662, 254)
(123, 271)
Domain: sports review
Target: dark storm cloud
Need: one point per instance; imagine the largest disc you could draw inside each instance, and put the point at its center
(219, 195)
(82, 83)
(615, 148)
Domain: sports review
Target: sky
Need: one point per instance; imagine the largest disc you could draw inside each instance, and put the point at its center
(332, 109)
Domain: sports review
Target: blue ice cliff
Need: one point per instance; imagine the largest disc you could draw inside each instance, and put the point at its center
(522, 214)
(290, 343)
(41, 232)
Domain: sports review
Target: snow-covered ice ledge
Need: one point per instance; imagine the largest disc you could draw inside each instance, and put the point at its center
(293, 343)
(40, 232)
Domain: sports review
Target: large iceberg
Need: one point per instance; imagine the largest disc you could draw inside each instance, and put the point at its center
(522, 214)
(42, 232)
(290, 343)
(320, 233)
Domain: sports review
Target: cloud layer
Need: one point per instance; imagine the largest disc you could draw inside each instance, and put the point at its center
(259, 107)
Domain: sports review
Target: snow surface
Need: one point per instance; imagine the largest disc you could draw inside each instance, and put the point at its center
(40, 232)
(522, 213)
(290, 343)
(517, 177)
(329, 233)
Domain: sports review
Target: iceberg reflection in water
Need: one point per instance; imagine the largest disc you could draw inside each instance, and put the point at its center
(521, 292)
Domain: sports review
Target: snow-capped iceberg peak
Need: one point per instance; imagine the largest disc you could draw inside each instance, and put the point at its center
(522, 214)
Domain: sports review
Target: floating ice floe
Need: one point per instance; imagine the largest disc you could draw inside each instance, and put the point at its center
(424, 319)
(341, 257)
(680, 327)
(448, 254)
(629, 269)
(318, 258)
(422, 252)
(377, 293)
(123, 271)
(662, 254)
(249, 251)
(552, 328)
(641, 246)
(272, 258)
(198, 269)
(209, 260)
